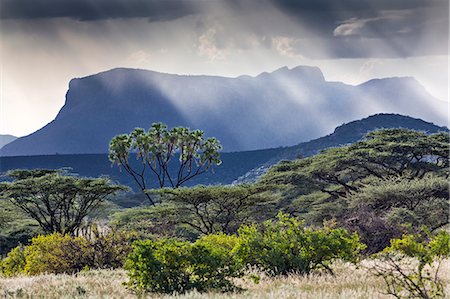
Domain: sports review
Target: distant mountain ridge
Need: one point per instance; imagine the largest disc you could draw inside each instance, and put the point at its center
(5, 139)
(345, 134)
(274, 109)
(237, 167)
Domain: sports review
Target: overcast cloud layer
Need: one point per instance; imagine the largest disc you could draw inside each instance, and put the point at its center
(45, 43)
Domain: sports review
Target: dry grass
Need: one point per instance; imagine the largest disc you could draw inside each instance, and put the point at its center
(349, 282)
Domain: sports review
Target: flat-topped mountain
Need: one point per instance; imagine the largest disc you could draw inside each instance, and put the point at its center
(275, 109)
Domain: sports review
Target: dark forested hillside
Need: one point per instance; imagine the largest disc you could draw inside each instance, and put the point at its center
(236, 166)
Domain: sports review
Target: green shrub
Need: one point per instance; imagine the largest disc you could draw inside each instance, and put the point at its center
(172, 266)
(159, 266)
(410, 266)
(286, 246)
(56, 253)
(213, 263)
(14, 263)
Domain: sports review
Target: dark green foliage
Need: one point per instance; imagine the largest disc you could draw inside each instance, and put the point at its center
(59, 203)
(155, 150)
(165, 219)
(218, 208)
(385, 209)
(287, 246)
(15, 227)
(108, 249)
(172, 266)
(410, 266)
(379, 171)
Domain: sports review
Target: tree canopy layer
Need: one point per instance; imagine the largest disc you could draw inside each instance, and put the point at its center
(392, 174)
(59, 203)
(211, 209)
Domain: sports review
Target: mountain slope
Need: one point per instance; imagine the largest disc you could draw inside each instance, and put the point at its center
(237, 166)
(345, 134)
(5, 139)
(245, 113)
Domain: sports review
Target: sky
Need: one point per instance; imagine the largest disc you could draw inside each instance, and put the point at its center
(45, 43)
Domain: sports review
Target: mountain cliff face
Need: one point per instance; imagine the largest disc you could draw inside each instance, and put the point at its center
(274, 109)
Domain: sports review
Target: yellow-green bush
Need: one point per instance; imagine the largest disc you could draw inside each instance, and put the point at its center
(14, 262)
(57, 253)
(410, 265)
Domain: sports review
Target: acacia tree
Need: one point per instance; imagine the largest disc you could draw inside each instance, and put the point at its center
(59, 203)
(384, 154)
(395, 180)
(154, 150)
(212, 209)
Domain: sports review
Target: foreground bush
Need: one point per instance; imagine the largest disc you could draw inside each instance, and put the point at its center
(281, 247)
(410, 266)
(14, 263)
(57, 253)
(286, 246)
(172, 266)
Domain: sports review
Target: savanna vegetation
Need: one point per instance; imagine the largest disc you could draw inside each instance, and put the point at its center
(378, 207)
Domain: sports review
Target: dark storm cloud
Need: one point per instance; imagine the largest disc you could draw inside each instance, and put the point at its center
(313, 28)
(376, 16)
(371, 28)
(88, 10)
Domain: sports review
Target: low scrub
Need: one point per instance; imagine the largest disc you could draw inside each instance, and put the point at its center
(57, 253)
(173, 266)
(279, 247)
(410, 266)
(286, 246)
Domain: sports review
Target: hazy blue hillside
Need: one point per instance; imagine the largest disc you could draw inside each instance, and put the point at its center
(236, 166)
(275, 109)
(95, 165)
(5, 139)
(342, 135)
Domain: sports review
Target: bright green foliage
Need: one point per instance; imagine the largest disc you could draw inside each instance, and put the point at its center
(155, 149)
(159, 266)
(59, 203)
(169, 265)
(383, 154)
(213, 263)
(14, 263)
(286, 246)
(410, 266)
